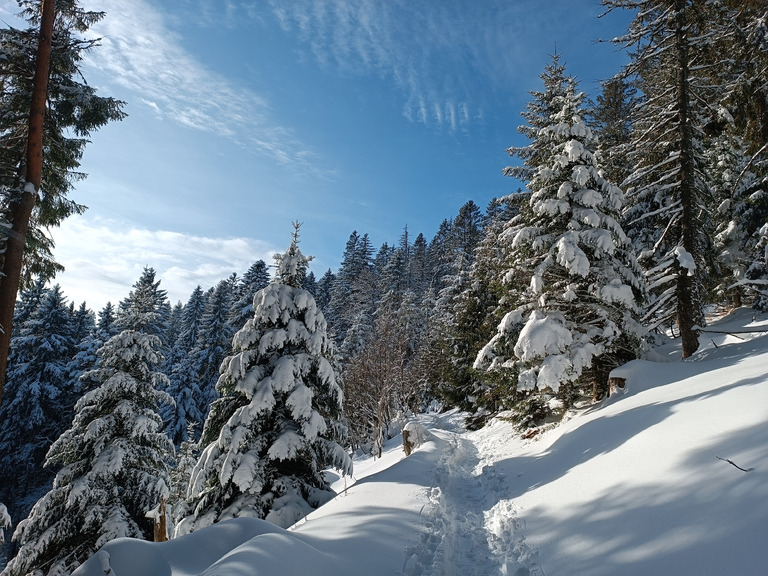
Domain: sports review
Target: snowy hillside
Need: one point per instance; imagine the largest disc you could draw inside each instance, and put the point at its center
(640, 484)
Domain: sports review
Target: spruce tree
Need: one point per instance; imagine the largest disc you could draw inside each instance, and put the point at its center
(465, 319)
(146, 309)
(325, 289)
(254, 279)
(610, 118)
(441, 256)
(46, 116)
(685, 60)
(420, 269)
(39, 402)
(29, 300)
(183, 380)
(214, 343)
(742, 209)
(757, 273)
(272, 431)
(354, 290)
(738, 60)
(113, 464)
(573, 285)
(106, 326)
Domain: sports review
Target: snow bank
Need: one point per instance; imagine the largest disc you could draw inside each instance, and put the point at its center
(369, 525)
(637, 485)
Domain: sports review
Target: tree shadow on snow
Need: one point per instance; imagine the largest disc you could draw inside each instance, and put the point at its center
(593, 438)
(709, 519)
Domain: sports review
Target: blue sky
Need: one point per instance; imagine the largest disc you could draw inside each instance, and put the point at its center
(344, 115)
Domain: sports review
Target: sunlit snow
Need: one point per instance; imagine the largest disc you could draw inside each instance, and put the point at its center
(642, 483)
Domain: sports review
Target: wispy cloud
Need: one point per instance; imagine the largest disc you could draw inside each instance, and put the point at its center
(182, 261)
(427, 50)
(140, 53)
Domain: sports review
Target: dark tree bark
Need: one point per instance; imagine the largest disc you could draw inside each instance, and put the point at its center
(21, 209)
(688, 304)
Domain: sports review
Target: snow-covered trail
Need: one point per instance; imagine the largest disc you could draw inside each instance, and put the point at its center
(635, 485)
(470, 528)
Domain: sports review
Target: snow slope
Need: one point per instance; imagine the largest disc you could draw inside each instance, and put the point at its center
(634, 485)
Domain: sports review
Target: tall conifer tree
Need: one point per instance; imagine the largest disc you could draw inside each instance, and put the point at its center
(573, 285)
(46, 116)
(682, 71)
(40, 400)
(274, 429)
(113, 463)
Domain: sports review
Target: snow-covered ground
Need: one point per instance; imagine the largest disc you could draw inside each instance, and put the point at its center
(639, 484)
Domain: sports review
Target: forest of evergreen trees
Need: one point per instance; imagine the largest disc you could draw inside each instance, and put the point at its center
(643, 206)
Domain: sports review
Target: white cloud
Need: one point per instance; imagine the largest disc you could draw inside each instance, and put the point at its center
(426, 51)
(140, 53)
(103, 259)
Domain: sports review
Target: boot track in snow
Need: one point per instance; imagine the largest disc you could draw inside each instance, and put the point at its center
(470, 529)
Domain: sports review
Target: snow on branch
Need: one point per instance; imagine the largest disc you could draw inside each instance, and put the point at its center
(5, 521)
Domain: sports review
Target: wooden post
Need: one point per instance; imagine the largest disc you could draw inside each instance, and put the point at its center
(614, 383)
(407, 444)
(161, 527)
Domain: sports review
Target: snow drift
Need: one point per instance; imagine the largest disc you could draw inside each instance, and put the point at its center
(670, 476)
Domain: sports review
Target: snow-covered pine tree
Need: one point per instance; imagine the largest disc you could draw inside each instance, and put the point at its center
(683, 62)
(172, 334)
(85, 359)
(467, 231)
(214, 343)
(325, 289)
(574, 286)
(467, 306)
(83, 333)
(39, 401)
(355, 287)
(454, 248)
(757, 273)
(737, 152)
(83, 321)
(146, 309)
(394, 278)
(538, 114)
(441, 257)
(742, 208)
(113, 463)
(740, 58)
(274, 429)
(106, 326)
(420, 270)
(183, 381)
(610, 118)
(29, 300)
(184, 463)
(309, 282)
(254, 279)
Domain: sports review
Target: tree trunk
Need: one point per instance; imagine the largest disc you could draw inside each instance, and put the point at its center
(21, 208)
(688, 293)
